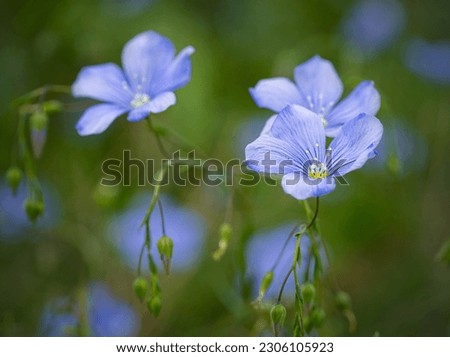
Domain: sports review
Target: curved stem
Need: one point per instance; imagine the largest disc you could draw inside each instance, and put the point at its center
(159, 142)
(161, 214)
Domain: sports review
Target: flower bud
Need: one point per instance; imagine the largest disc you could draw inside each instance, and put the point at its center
(38, 120)
(343, 301)
(13, 177)
(225, 232)
(154, 305)
(308, 292)
(33, 209)
(165, 249)
(140, 287)
(277, 317)
(317, 316)
(52, 106)
(265, 284)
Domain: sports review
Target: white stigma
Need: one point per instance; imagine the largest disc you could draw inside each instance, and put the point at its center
(140, 99)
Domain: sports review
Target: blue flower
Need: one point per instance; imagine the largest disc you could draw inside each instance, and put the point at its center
(374, 25)
(294, 148)
(184, 226)
(151, 73)
(318, 88)
(106, 315)
(429, 60)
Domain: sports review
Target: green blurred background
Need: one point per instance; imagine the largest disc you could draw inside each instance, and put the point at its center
(384, 230)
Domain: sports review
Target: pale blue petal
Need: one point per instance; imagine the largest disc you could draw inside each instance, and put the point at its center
(303, 131)
(275, 94)
(295, 138)
(268, 125)
(363, 99)
(319, 84)
(270, 155)
(176, 75)
(156, 105)
(355, 144)
(97, 118)
(104, 82)
(145, 57)
(302, 187)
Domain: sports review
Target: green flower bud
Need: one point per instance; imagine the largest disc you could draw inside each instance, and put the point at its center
(265, 284)
(154, 305)
(52, 106)
(444, 253)
(33, 208)
(277, 317)
(225, 232)
(38, 120)
(13, 177)
(165, 249)
(140, 287)
(343, 301)
(308, 292)
(317, 316)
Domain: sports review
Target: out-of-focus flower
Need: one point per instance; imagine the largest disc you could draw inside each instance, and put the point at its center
(13, 219)
(373, 25)
(185, 227)
(263, 251)
(106, 315)
(429, 60)
(318, 88)
(151, 73)
(294, 148)
(401, 150)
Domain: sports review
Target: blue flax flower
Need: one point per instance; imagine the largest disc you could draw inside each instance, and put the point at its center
(318, 88)
(150, 75)
(294, 148)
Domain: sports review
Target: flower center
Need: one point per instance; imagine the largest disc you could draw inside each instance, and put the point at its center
(324, 121)
(140, 99)
(318, 170)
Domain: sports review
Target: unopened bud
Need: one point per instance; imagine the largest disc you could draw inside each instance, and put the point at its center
(308, 292)
(225, 232)
(38, 120)
(52, 106)
(33, 208)
(140, 287)
(165, 249)
(13, 177)
(343, 301)
(277, 317)
(265, 284)
(317, 316)
(154, 305)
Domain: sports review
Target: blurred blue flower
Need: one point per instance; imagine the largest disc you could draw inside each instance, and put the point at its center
(13, 219)
(106, 315)
(184, 226)
(373, 25)
(263, 251)
(318, 88)
(151, 73)
(401, 150)
(295, 146)
(429, 60)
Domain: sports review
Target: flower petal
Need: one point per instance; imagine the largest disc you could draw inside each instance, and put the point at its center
(355, 144)
(319, 84)
(275, 94)
(302, 187)
(144, 57)
(156, 105)
(268, 125)
(97, 118)
(177, 74)
(295, 138)
(104, 82)
(363, 99)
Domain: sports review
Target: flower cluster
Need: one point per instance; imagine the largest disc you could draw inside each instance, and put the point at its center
(293, 143)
